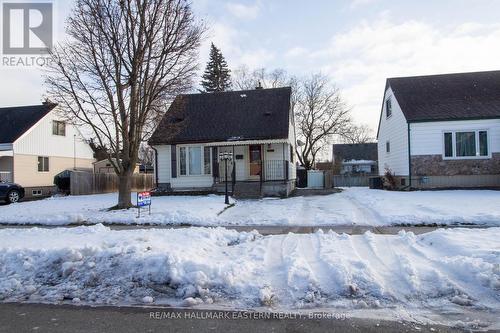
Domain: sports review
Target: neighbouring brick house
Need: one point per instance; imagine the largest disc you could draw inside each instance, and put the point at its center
(443, 130)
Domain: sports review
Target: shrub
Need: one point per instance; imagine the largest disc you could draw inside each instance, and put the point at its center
(389, 180)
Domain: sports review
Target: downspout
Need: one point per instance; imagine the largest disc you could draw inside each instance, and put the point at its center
(409, 158)
(156, 165)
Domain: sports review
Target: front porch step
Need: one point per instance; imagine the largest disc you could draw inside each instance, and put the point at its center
(242, 190)
(250, 190)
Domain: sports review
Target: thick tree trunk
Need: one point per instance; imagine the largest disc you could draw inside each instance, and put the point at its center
(125, 190)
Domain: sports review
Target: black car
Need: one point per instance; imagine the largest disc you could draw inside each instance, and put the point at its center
(11, 192)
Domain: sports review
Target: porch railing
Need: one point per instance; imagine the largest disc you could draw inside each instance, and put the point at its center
(275, 170)
(271, 170)
(5, 176)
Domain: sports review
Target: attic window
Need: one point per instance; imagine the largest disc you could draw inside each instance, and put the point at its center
(388, 108)
(58, 128)
(268, 113)
(243, 95)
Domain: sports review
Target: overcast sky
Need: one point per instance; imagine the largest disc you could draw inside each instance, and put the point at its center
(358, 43)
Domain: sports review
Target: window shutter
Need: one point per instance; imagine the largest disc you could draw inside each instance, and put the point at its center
(173, 159)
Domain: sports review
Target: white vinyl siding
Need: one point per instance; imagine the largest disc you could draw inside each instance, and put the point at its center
(164, 171)
(41, 141)
(206, 180)
(427, 138)
(164, 163)
(394, 130)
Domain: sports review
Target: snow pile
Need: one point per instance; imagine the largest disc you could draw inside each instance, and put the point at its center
(452, 270)
(359, 206)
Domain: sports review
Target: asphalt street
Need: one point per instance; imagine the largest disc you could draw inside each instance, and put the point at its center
(15, 317)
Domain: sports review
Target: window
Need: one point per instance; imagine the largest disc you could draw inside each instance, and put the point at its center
(36, 193)
(467, 144)
(206, 160)
(387, 147)
(195, 161)
(43, 164)
(182, 161)
(483, 143)
(59, 128)
(448, 144)
(388, 108)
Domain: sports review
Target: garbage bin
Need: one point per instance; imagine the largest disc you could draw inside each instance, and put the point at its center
(375, 182)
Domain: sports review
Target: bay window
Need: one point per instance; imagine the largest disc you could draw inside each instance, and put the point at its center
(206, 160)
(194, 161)
(466, 144)
(182, 161)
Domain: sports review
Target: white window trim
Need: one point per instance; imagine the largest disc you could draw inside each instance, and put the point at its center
(203, 174)
(48, 160)
(454, 144)
(385, 107)
(65, 128)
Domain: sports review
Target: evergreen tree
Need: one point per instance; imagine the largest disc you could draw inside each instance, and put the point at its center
(216, 77)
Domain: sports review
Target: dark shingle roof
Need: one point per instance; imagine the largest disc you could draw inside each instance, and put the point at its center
(14, 121)
(359, 151)
(448, 96)
(235, 115)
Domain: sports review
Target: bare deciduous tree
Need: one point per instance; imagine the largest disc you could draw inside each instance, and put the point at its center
(146, 155)
(122, 64)
(244, 78)
(358, 134)
(320, 114)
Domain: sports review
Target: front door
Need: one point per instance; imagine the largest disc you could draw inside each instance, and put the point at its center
(255, 161)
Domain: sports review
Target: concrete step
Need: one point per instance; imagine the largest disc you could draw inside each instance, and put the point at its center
(250, 190)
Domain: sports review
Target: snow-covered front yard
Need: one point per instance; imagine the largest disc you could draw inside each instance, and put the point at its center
(446, 271)
(360, 206)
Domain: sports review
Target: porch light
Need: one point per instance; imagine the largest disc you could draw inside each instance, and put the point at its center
(226, 157)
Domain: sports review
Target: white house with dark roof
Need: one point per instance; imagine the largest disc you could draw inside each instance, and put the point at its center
(36, 144)
(255, 126)
(442, 130)
(355, 159)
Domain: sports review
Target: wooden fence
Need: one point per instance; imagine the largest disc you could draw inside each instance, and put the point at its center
(350, 181)
(92, 183)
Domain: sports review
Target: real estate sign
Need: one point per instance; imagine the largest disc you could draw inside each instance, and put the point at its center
(143, 200)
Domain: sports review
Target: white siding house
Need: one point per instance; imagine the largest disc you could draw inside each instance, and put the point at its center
(393, 137)
(442, 130)
(36, 145)
(254, 126)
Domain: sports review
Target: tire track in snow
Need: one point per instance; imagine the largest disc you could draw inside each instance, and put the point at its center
(416, 253)
(397, 273)
(310, 248)
(363, 213)
(273, 264)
